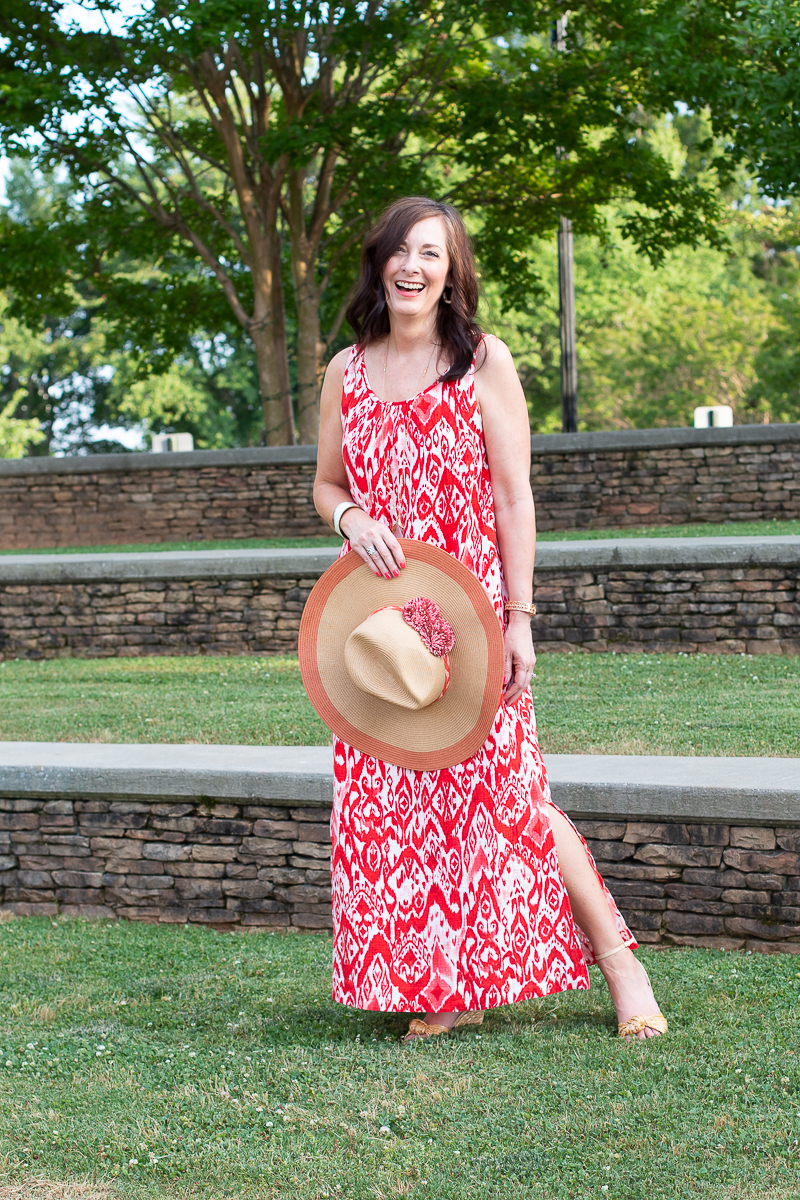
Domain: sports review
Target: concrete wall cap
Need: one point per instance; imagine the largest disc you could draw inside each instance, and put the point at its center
(166, 564)
(596, 554)
(98, 464)
(152, 770)
(646, 553)
(600, 441)
(606, 440)
(752, 790)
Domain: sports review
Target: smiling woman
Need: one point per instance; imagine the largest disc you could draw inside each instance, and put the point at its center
(461, 887)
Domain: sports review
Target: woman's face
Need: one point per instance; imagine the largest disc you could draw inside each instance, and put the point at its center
(416, 274)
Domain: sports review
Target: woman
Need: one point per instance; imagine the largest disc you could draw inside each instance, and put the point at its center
(424, 434)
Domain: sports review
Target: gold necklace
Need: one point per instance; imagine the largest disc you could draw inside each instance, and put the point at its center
(435, 346)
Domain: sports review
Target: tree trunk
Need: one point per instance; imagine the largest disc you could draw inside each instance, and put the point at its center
(309, 344)
(268, 332)
(304, 241)
(275, 431)
(309, 355)
(280, 345)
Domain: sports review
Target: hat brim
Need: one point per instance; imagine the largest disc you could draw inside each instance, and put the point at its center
(445, 733)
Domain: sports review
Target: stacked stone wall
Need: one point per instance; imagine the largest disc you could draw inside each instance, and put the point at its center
(129, 619)
(244, 865)
(580, 481)
(117, 507)
(683, 884)
(715, 610)
(718, 610)
(667, 486)
(217, 864)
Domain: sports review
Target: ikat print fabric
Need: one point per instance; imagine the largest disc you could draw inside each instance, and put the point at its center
(446, 889)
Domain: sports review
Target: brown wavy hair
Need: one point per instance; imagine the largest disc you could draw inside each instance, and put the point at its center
(458, 334)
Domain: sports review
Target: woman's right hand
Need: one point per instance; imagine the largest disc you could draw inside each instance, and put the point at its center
(374, 541)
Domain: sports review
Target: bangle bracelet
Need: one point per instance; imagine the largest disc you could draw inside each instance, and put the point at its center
(339, 512)
(519, 606)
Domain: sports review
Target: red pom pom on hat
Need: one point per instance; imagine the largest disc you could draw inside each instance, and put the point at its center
(425, 616)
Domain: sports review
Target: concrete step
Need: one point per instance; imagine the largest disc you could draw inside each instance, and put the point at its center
(592, 554)
(748, 790)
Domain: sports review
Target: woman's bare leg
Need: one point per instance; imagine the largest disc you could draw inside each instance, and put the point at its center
(626, 978)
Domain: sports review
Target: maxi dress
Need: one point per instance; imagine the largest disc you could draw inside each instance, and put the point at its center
(446, 889)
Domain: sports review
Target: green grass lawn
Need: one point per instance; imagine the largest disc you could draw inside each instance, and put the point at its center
(735, 529)
(585, 703)
(171, 1062)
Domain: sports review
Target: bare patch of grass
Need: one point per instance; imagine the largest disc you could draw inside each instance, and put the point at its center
(47, 1189)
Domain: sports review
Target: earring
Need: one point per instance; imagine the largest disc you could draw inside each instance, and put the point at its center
(447, 299)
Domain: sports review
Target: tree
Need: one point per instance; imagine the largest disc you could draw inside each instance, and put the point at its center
(705, 327)
(237, 132)
(244, 149)
(72, 379)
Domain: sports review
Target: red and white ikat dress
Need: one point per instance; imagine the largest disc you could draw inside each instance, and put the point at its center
(447, 893)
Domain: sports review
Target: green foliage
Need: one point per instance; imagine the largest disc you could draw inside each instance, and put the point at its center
(173, 1062)
(209, 390)
(199, 137)
(743, 62)
(47, 379)
(153, 136)
(17, 435)
(65, 385)
(81, 373)
(704, 327)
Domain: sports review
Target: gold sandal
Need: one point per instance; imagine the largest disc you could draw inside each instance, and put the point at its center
(636, 1023)
(421, 1029)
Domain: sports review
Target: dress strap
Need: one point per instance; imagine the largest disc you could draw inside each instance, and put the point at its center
(350, 388)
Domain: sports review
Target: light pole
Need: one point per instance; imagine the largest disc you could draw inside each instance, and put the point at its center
(566, 291)
(566, 312)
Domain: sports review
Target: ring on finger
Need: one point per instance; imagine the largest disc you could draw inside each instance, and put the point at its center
(371, 551)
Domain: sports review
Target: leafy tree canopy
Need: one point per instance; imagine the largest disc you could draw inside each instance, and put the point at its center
(225, 158)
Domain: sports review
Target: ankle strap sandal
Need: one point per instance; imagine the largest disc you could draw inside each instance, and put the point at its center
(421, 1029)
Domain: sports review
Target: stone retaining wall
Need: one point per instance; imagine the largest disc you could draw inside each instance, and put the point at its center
(114, 499)
(124, 620)
(580, 481)
(244, 865)
(668, 484)
(625, 596)
(219, 864)
(712, 610)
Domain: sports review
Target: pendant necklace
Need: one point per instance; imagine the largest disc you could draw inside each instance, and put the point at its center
(386, 363)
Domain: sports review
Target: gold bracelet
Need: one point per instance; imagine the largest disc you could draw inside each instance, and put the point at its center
(519, 606)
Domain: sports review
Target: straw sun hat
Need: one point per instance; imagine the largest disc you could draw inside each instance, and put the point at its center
(408, 670)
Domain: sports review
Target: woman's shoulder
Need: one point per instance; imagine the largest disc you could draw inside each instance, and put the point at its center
(497, 385)
(335, 376)
(492, 354)
(339, 363)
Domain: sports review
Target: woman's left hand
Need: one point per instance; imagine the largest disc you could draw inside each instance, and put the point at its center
(520, 656)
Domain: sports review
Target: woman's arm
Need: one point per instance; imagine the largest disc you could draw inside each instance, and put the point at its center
(508, 447)
(331, 487)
